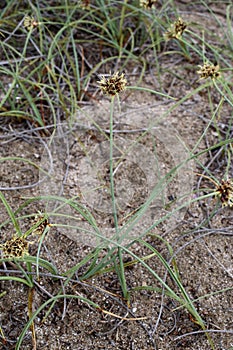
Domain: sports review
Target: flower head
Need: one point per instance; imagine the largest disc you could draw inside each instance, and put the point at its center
(176, 30)
(85, 4)
(16, 247)
(30, 23)
(209, 71)
(224, 192)
(113, 85)
(147, 4)
(40, 222)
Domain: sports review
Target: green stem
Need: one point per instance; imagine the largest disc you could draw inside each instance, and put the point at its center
(121, 26)
(111, 168)
(119, 268)
(11, 215)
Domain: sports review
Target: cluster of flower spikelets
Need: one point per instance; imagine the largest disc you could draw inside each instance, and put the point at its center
(18, 247)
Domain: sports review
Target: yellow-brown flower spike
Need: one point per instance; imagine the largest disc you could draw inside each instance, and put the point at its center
(30, 23)
(147, 4)
(41, 223)
(85, 4)
(224, 192)
(113, 85)
(209, 71)
(16, 247)
(176, 30)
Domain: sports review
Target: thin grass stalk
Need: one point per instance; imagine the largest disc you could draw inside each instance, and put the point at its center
(227, 89)
(16, 279)
(30, 313)
(38, 251)
(33, 260)
(229, 26)
(11, 215)
(120, 270)
(1, 331)
(121, 26)
(111, 167)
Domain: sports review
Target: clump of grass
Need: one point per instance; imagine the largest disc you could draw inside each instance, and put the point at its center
(51, 58)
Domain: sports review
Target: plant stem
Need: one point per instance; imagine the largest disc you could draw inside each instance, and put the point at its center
(119, 268)
(111, 169)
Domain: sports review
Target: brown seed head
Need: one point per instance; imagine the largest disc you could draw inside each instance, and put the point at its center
(85, 4)
(209, 71)
(147, 4)
(30, 23)
(113, 85)
(176, 30)
(225, 193)
(41, 222)
(16, 247)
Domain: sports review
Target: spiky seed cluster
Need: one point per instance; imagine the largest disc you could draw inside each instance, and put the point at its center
(30, 23)
(147, 4)
(113, 85)
(85, 4)
(176, 30)
(209, 71)
(16, 247)
(225, 193)
(42, 222)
